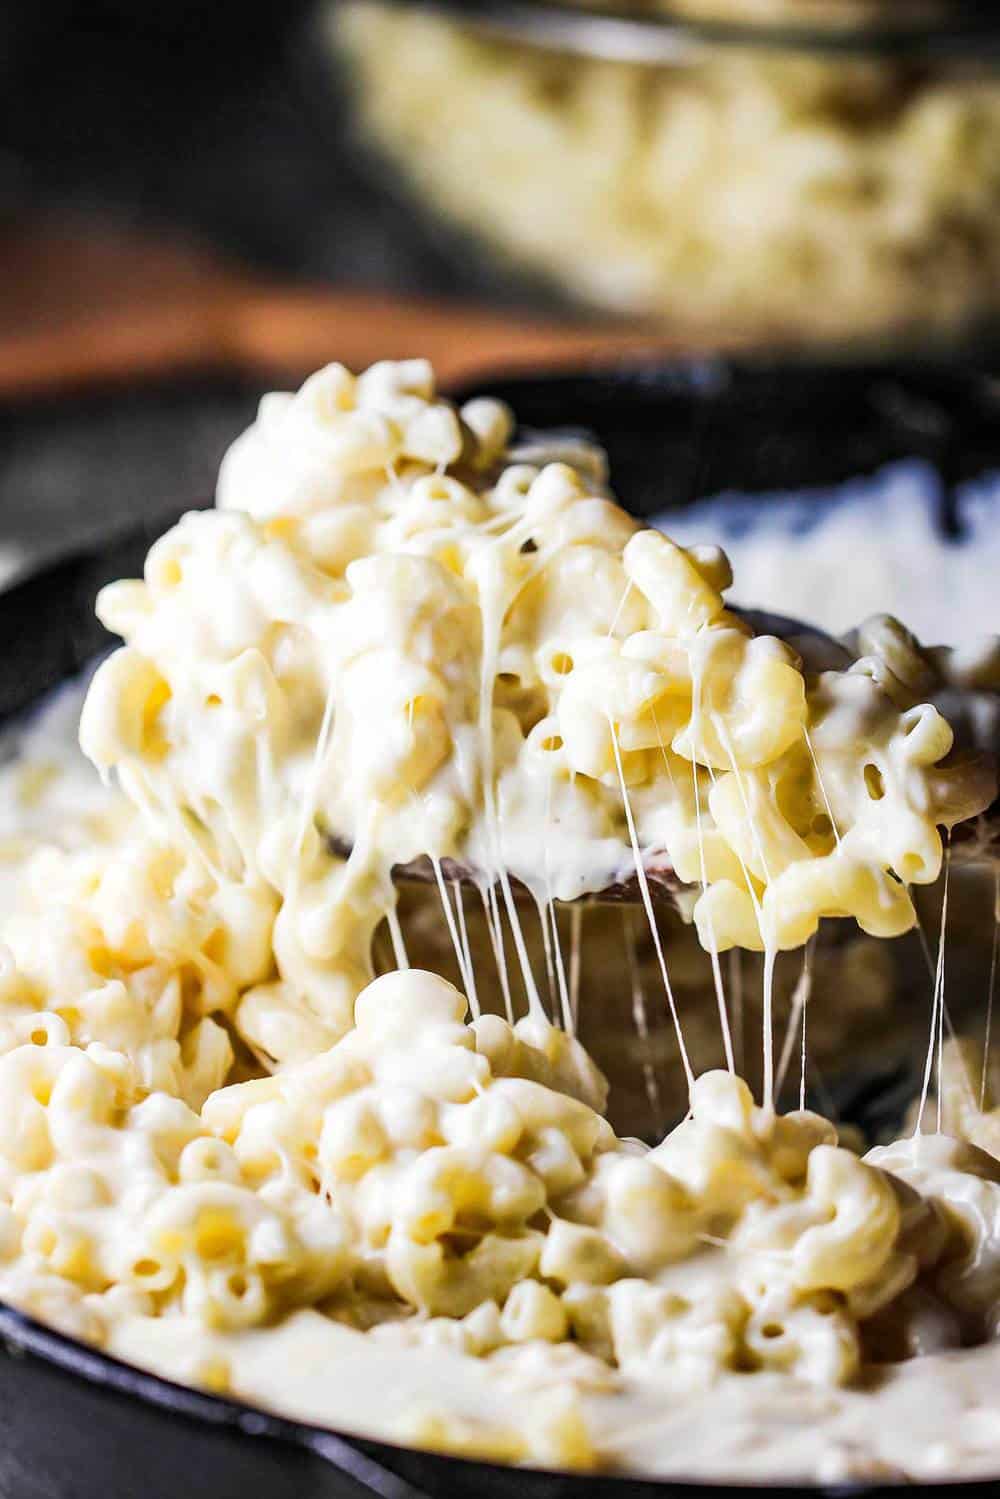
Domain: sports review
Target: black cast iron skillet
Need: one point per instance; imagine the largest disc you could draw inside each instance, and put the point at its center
(75, 1424)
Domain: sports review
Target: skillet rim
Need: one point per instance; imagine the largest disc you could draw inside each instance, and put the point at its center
(366, 1459)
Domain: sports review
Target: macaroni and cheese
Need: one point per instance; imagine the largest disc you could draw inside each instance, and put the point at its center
(248, 1144)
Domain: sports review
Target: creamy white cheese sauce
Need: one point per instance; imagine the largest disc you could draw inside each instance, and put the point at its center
(230, 1153)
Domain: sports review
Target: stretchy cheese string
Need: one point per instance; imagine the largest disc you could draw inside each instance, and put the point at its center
(550, 965)
(575, 957)
(398, 941)
(941, 982)
(767, 1011)
(945, 1016)
(449, 917)
(569, 1021)
(488, 670)
(640, 874)
(621, 605)
(494, 922)
(820, 783)
(736, 990)
(991, 991)
(720, 995)
(797, 1013)
(802, 1056)
(553, 950)
(169, 815)
(641, 1021)
(936, 999)
(463, 933)
(309, 800)
(767, 1022)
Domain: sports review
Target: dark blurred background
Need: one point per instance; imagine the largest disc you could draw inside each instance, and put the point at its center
(206, 121)
(200, 200)
(168, 164)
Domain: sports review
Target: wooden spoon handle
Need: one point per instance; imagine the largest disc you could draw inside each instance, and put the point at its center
(82, 304)
(270, 333)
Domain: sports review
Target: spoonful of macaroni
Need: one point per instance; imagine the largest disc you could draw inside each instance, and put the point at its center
(970, 700)
(406, 645)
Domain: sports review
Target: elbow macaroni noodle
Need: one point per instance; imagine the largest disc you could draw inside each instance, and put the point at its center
(228, 1150)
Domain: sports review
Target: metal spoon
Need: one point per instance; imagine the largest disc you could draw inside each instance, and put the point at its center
(976, 840)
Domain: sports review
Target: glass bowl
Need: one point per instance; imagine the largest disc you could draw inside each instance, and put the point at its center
(779, 172)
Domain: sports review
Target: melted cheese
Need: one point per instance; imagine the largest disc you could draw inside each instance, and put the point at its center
(230, 1152)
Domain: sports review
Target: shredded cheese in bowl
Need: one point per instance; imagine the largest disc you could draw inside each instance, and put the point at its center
(236, 1149)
